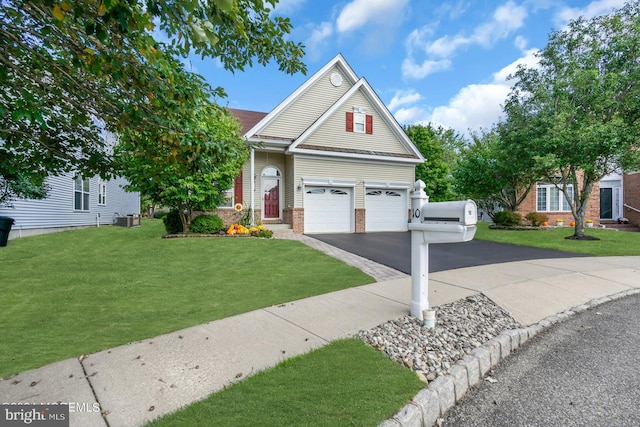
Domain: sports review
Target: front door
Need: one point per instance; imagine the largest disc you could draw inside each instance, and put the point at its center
(606, 203)
(271, 193)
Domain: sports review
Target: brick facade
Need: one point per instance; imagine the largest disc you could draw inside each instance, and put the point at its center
(295, 218)
(593, 210)
(360, 220)
(229, 216)
(631, 186)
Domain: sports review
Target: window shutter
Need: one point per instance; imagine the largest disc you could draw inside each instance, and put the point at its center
(349, 121)
(369, 124)
(237, 189)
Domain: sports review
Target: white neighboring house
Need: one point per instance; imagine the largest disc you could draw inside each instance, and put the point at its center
(72, 201)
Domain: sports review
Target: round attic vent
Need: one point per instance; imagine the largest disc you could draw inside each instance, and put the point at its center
(336, 79)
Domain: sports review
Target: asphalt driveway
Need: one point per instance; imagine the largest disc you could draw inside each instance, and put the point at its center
(394, 250)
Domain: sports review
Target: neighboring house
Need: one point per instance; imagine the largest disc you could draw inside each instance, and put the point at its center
(329, 159)
(73, 201)
(615, 196)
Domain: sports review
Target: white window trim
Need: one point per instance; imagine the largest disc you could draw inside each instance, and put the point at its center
(359, 122)
(82, 192)
(561, 198)
(102, 193)
(232, 199)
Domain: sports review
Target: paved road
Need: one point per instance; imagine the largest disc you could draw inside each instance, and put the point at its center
(580, 372)
(394, 250)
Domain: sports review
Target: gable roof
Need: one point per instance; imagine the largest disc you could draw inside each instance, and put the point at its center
(297, 144)
(338, 61)
(413, 156)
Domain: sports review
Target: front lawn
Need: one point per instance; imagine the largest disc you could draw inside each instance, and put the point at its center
(78, 292)
(346, 383)
(611, 243)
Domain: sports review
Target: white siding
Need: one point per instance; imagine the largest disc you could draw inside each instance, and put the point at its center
(351, 170)
(308, 107)
(56, 210)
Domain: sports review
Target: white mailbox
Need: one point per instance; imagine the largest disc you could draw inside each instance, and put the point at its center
(438, 222)
(446, 222)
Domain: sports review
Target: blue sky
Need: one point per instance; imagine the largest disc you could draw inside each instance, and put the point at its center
(441, 62)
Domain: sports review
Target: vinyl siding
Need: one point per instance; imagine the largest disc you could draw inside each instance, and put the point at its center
(350, 170)
(332, 133)
(57, 210)
(290, 184)
(302, 113)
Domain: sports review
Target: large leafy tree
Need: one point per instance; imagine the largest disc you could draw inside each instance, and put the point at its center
(581, 106)
(440, 147)
(64, 64)
(189, 171)
(494, 172)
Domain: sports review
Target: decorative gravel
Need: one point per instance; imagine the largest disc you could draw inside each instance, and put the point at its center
(461, 326)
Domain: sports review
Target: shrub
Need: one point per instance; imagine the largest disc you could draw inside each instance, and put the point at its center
(207, 224)
(160, 214)
(536, 218)
(172, 222)
(507, 218)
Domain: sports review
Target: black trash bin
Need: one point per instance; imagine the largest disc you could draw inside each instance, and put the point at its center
(5, 227)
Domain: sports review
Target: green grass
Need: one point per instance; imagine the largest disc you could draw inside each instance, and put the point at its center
(79, 292)
(611, 243)
(345, 383)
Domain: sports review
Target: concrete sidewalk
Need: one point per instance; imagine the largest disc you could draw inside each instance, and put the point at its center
(140, 381)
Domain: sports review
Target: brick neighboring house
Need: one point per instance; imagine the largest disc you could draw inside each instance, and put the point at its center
(614, 196)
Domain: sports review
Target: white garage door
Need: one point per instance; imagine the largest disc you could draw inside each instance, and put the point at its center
(328, 210)
(386, 210)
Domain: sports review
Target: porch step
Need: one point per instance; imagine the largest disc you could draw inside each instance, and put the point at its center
(279, 227)
(621, 227)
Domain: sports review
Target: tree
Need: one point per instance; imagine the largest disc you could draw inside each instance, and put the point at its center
(439, 147)
(191, 168)
(493, 172)
(581, 106)
(64, 64)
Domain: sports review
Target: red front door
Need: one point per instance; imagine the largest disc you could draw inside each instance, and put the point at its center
(271, 196)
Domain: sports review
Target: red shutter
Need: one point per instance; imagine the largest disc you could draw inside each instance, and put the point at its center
(349, 121)
(237, 189)
(369, 124)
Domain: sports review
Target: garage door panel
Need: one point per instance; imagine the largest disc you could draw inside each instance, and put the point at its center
(386, 210)
(328, 210)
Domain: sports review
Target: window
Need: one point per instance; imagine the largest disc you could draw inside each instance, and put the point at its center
(102, 193)
(234, 194)
(551, 199)
(359, 122)
(81, 194)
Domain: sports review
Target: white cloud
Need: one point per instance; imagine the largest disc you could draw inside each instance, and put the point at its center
(317, 38)
(403, 98)
(287, 7)
(595, 8)
(528, 60)
(506, 19)
(419, 71)
(521, 43)
(360, 12)
(410, 115)
(474, 107)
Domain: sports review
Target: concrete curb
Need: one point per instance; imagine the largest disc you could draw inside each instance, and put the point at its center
(440, 395)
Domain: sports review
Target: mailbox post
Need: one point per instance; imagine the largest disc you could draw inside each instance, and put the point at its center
(440, 222)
